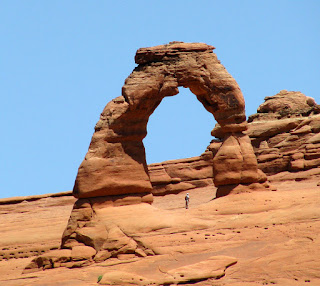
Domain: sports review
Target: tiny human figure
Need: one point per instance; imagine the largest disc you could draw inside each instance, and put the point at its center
(187, 198)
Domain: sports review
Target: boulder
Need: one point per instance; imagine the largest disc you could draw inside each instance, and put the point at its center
(82, 252)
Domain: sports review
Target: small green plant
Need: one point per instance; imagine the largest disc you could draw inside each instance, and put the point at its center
(99, 278)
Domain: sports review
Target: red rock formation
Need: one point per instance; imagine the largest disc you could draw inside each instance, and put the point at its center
(285, 133)
(285, 104)
(175, 176)
(285, 136)
(114, 171)
(115, 163)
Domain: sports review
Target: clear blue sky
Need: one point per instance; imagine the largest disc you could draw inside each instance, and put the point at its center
(63, 61)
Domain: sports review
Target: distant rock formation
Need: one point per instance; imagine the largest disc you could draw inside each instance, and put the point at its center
(285, 133)
(285, 104)
(175, 176)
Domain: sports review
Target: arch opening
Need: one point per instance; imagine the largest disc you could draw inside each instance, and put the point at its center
(180, 127)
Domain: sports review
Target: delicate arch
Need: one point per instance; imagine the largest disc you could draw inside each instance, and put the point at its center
(115, 163)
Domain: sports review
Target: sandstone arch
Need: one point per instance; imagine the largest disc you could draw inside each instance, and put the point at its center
(115, 163)
(114, 172)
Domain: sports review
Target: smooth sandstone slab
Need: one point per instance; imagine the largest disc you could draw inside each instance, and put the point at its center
(213, 267)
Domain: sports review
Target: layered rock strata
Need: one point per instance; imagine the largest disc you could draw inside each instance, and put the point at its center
(285, 133)
(175, 176)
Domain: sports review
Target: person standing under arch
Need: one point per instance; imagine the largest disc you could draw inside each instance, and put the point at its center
(187, 198)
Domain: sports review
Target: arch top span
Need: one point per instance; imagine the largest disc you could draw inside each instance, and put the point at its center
(162, 69)
(163, 52)
(115, 163)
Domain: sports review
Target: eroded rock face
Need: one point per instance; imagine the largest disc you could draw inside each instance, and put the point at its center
(213, 267)
(175, 176)
(285, 104)
(114, 172)
(115, 163)
(285, 138)
(285, 133)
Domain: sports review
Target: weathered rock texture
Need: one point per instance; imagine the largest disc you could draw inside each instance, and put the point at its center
(285, 133)
(213, 267)
(115, 163)
(285, 104)
(114, 171)
(274, 236)
(175, 176)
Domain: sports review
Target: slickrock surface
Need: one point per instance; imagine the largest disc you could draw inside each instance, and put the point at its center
(272, 236)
